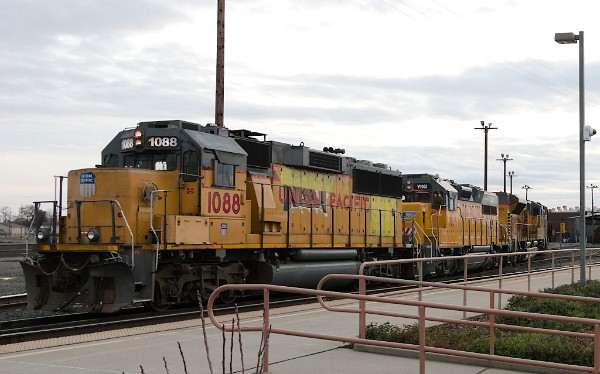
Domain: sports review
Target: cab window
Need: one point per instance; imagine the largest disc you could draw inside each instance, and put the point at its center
(452, 203)
(110, 159)
(163, 161)
(224, 174)
(190, 166)
(137, 161)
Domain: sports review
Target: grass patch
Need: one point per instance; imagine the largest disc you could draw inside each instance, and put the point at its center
(535, 346)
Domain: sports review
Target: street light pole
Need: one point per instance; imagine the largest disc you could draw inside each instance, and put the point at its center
(527, 188)
(570, 38)
(504, 159)
(511, 174)
(485, 162)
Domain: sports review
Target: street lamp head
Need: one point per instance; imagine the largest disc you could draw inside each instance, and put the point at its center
(482, 123)
(502, 155)
(565, 38)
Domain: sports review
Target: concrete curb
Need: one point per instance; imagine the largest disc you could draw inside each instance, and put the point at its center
(457, 359)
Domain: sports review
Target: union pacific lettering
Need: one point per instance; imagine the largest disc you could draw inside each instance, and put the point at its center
(348, 201)
(307, 196)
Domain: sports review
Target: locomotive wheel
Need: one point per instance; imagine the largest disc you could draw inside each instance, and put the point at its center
(228, 297)
(156, 303)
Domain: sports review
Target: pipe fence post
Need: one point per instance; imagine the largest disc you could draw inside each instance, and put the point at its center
(572, 267)
(528, 272)
(420, 268)
(266, 325)
(492, 319)
(421, 339)
(362, 317)
(465, 264)
(500, 281)
(596, 348)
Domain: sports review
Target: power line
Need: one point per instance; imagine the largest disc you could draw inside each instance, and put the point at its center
(508, 65)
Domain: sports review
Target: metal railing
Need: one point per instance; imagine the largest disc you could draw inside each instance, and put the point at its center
(451, 313)
(491, 311)
(422, 317)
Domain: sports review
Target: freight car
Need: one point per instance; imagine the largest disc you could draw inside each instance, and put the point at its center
(176, 208)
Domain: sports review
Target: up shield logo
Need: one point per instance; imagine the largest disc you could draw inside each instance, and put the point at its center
(87, 184)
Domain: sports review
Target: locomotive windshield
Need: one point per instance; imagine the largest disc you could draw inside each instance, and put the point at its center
(418, 197)
(162, 161)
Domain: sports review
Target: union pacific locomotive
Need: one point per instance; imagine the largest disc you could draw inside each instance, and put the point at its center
(176, 208)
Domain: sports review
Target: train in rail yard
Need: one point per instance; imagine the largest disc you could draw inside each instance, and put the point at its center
(177, 208)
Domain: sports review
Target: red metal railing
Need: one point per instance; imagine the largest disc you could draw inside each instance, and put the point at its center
(499, 257)
(421, 316)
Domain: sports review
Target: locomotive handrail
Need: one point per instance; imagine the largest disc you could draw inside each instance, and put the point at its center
(36, 209)
(425, 236)
(54, 220)
(164, 231)
(112, 204)
(507, 234)
(462, 221)
(27, 235)
(438, 215)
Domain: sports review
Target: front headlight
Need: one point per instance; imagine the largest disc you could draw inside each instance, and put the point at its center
(42, 235)
(93, 234)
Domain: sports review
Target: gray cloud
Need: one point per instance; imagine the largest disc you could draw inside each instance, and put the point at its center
(67, 67)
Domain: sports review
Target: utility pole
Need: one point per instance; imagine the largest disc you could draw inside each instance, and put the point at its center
(527, 188)
(220, 90)
(504, 159)
(485, 160)
(511, 174)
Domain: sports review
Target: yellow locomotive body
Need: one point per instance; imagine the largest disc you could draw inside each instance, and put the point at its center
(525, 222)
(443, 218)
(178, 208)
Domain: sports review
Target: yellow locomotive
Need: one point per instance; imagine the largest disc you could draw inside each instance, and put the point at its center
(176, 208)
(449, 219)
(526, 222)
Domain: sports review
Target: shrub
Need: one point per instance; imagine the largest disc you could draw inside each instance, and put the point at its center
(535, 346)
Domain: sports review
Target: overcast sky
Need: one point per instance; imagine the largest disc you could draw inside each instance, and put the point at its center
(397, 82)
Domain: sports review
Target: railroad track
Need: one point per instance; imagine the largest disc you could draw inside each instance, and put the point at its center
(62, 325)
(12, 302)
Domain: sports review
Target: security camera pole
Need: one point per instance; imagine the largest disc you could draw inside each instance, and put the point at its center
(585, 134)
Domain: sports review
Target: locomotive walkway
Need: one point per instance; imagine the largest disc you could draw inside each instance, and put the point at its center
(155, 349)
